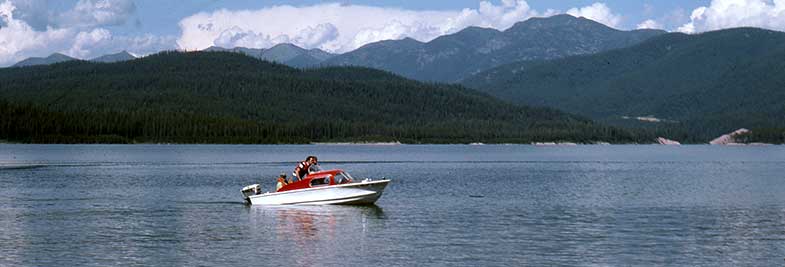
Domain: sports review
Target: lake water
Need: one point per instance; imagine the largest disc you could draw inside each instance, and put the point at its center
(447, 205)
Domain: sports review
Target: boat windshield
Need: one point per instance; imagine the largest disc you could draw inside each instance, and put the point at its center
(342, 178)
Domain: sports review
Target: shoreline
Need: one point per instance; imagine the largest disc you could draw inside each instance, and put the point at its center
(358, 143)
(536, 144)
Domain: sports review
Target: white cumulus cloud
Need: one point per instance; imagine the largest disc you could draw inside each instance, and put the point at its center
(262, 26)
(314, 36)
(649, 24)
(17, 38)
(100, 41)
(77, 32)
(341, 28)
(33, 12)
(721, 14)
(236, 36)
(86, 40)
(597, 12)
(92, 13)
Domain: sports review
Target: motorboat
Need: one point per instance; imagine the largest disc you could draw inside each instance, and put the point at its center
(319, 188)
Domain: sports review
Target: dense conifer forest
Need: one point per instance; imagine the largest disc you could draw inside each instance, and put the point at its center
(220, 97)
(701, 85)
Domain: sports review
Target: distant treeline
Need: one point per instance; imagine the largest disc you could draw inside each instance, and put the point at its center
(702, 132)
(35, 124)
(218, 97)
(764, 135)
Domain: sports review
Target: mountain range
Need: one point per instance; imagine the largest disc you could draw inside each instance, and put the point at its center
(707, 84)
(117, 57)
(58, 57)
(453, 57)
(51, 59)
(285, 53)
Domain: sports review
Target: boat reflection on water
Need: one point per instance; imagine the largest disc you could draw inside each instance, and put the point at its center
(309, 222)
(306, 228)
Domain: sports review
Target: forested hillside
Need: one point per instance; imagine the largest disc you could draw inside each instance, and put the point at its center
(221, 97)
(698, 86)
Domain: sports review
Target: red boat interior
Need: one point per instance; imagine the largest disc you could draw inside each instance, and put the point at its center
(317, 179)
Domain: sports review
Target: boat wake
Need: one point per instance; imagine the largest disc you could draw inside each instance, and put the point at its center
(21, 167)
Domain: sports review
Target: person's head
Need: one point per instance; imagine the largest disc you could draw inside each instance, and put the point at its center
(283, 175)
(312, 159)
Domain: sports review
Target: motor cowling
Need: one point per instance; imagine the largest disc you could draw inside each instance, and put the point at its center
(251, 190)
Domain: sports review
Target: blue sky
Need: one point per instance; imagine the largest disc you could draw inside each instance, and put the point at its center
(90, 28)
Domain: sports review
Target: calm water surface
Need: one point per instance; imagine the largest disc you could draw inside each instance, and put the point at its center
(452, 205)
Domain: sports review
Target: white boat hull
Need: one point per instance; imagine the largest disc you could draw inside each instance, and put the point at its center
(359, 193)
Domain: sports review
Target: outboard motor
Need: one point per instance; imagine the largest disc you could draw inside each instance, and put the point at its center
(251, 190)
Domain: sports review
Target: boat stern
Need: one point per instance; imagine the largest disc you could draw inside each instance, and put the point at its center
(251, 190)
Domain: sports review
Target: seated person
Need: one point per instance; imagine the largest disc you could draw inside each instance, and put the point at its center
(281, 182)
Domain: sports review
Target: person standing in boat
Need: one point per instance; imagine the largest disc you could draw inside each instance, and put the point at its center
(309, 165)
